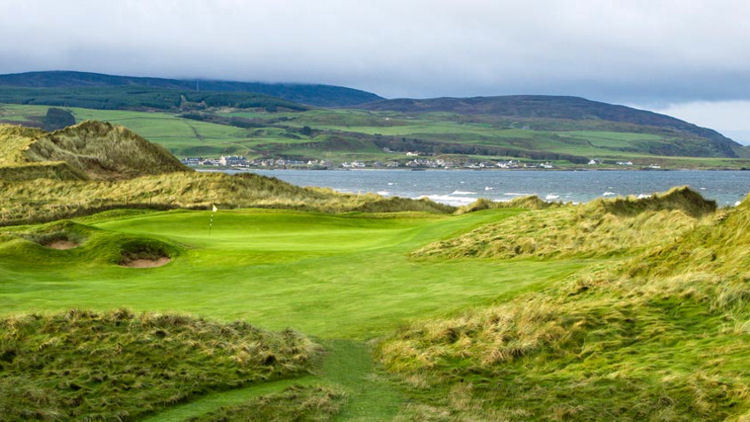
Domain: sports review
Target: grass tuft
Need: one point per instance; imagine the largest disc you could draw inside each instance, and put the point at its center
(295, 403)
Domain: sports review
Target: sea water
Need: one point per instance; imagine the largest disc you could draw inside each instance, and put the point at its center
(459, 187)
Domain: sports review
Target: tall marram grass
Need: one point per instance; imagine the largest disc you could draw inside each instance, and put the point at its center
(82, 365)
(599, 228)
(531, 202)
(661, 336)
(99, 150)
(46, 200)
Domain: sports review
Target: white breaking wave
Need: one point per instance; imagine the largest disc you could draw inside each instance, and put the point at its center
(608, 193)
(737, 204)
(516, 194)
(551, 197)
(488, 188)
(383, 193)
(643, 195)
(463, 192)
(449, 199)
(391, 183)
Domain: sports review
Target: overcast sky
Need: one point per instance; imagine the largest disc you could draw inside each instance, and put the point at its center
(687, 57)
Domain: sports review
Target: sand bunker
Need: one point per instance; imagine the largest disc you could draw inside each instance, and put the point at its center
(145, 262)
(143, 254)
(61, 244)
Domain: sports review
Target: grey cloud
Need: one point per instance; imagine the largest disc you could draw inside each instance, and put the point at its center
(635, 51)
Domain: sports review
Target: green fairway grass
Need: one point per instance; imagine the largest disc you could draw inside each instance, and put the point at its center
(325, 275)
(343, 279)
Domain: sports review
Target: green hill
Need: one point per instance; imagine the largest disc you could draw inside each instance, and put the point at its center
(66, 81)
(223, 119)
(558, 108)
(142, 98)
(346, 135)
(95, 150)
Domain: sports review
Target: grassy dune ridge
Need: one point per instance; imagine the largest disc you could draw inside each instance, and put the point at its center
(662, 336)
(46, 199)
(599, 228)
(98, 149)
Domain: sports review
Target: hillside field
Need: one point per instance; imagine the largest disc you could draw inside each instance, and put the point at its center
(349, 134)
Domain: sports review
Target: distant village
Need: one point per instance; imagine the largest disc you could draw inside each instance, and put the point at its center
(414, 161)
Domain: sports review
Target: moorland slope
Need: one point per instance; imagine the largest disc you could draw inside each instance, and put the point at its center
(558, 108)
(311, 94)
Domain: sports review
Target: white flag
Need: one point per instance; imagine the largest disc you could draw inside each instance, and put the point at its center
(214, 209)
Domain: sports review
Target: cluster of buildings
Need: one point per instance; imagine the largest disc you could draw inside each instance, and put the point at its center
(242, 162)
(595, 162)
(416, 162)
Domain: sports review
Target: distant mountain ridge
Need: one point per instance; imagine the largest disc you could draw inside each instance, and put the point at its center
(553, 107)
(310, 94)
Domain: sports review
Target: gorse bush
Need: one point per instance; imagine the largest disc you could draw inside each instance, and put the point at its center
(118, 366)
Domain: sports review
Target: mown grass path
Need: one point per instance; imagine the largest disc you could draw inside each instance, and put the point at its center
(347, 366)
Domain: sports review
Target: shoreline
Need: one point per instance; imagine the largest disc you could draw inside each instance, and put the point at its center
(608, 169)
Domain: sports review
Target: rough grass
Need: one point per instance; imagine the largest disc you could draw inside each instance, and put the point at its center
(296, 403)
(99, 150)
(600, 228)
(662, 336)
(531, 202)
(55, 170)
(723, 247)
(119, 366)
(45, 200)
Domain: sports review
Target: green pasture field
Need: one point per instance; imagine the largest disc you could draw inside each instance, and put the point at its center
(278, 135)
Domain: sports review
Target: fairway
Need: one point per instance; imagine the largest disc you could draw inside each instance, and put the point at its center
(325, 275)
(343, 279)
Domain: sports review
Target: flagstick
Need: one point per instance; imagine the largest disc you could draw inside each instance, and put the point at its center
(211, 221)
